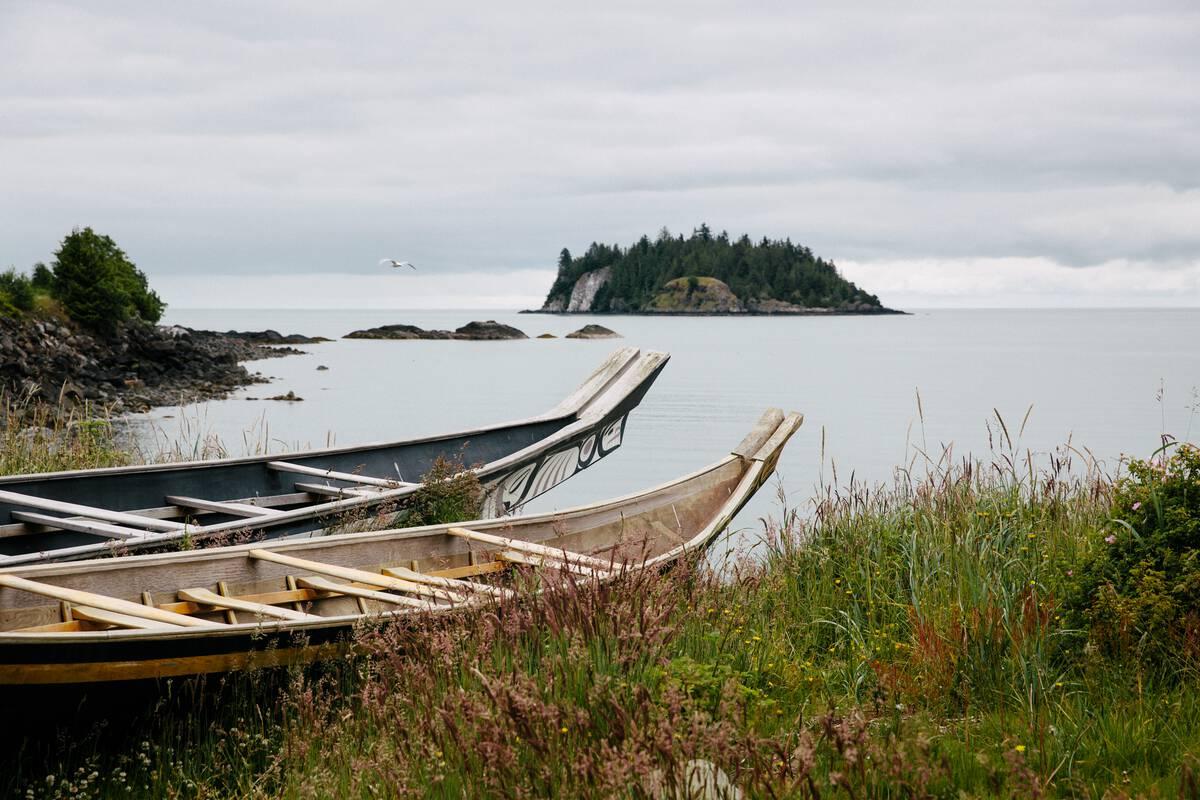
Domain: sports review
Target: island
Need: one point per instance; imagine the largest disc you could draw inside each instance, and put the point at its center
(705, 273)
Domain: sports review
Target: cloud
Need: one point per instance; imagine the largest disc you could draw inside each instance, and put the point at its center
(313, 138)
(1026, 283)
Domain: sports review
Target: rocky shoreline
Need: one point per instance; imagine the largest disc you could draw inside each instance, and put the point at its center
(140, 367)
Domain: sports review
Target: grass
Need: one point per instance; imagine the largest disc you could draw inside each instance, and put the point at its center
(899, 641)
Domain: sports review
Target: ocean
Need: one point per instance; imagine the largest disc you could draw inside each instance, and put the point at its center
(876, 392)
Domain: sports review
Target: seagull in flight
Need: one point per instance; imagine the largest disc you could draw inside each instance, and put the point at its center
(391, 262)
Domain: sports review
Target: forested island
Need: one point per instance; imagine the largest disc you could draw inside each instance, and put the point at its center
(704, 274)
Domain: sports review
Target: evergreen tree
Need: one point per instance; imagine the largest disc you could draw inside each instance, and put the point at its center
(98, 286)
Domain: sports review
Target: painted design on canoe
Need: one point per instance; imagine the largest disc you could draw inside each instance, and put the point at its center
(227, 608)
(539, 478)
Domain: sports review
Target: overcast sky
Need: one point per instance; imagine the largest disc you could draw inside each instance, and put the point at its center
(951, 154)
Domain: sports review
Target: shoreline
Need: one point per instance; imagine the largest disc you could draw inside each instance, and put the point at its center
(806, 313)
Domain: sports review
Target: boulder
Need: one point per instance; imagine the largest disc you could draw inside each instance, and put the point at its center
(594, 332)
(488, 330)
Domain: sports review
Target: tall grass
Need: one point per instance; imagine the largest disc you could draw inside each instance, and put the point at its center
(900, 641)
(36, 437)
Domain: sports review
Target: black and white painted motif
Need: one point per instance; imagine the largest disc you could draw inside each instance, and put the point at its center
(546, 473)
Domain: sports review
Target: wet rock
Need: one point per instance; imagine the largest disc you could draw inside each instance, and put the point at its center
(546, 336)
(594, 332)
(290, 397)
(271, 337)
(473, 331)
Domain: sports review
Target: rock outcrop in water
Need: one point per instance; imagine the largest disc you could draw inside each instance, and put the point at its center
(489, 330)
(275, 337)
(594, 332)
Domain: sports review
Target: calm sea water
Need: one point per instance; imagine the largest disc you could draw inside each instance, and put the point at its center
(1107, 380)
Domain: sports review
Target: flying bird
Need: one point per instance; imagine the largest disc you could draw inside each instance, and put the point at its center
(391, 262)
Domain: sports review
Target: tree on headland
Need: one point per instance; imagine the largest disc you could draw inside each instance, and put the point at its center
(98, 286)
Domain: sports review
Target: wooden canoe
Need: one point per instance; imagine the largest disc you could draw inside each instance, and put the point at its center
(184, 613)
(90, 513)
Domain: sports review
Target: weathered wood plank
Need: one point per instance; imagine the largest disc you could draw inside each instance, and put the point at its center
(104, 602)
(351, 574)
(222, 506)
(448, 583)
(211, 598)
(79, 524)
(91, 512)
(348, 477)
(326, 585)
(514, 557)
(120, 620)
(556, 553)
(470, 570)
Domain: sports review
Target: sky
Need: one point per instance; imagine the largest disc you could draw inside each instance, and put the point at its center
(1036, 154)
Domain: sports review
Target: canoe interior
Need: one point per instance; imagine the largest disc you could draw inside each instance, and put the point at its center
(91, 513)
(621, 531)
(146, 489)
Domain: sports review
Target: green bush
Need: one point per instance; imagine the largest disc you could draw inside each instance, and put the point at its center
(98, 286)
(16, 293)
(1139, 596)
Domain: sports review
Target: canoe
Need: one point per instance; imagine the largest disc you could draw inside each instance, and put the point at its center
(90, 513)
(160, 615)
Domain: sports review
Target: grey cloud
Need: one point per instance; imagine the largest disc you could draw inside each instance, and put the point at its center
(317, 137)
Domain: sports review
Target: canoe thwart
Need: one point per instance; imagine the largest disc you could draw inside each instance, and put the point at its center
(348, 477)
(554, 553)
(80, 524)
(449, 583)
(325, 585)
(210, 598)
(90, 512)
(81, 598)
(222, 506)
(352, 574)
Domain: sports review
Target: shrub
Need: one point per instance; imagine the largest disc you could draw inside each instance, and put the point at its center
(1140, 593)
(99, 286)
(450, 493)
(16, 293)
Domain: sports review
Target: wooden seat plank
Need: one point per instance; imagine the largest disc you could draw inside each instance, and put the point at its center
(90, 512)
(82, 598)
(348, 477)
(80, 524)
(556, 553)
(515, 557)
(120, 620)
(335, 491)
(222, 506)
(352, 574)
(470, 570)
(448, 583)
(211, 598)
(326, 585)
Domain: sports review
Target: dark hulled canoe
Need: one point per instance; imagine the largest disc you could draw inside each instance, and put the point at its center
(229, 608)
(89, 513)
